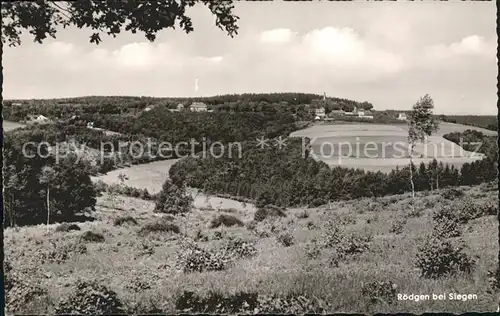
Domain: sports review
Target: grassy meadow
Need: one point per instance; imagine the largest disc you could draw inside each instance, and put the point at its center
(140, 263)
(386, 145)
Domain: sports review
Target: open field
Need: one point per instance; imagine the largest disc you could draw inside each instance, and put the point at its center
(9, 125)
(142, 269)
(376, 147)
(151, 176)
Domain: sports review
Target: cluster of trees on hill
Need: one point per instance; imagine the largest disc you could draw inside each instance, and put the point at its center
(470, 139)
(120, 105)
(163, 125)
(152, 128)
(38, 186)
(484, 121)
(66, 108)
(289, 179)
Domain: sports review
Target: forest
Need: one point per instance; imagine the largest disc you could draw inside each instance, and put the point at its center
(285, 178)
(18, 110)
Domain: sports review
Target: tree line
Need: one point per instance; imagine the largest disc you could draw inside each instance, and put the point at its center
(288, 179)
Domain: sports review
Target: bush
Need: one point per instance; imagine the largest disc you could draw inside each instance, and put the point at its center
(226, 220)
(494, 279)
(240, 248)
(192, 258)
(452, 193)
(313, 251)
(64, 251)
(124, 220)
(398, 226)
(354, 244)
(291, 304)
(470, 210)
(173, 199)
(286, 239)
(216, 303)
(268, 211)
(66, 227)
(90, 298)
(90, 236)
(317, 202)
(22, 295)
(447, 223)
(159, 226)
(437, 257)
(303, 215)
(381, 290)
(332, 234)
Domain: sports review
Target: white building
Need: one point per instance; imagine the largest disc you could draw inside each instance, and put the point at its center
(402, 117)
(320, 112)
(198, 107)
(42, 119)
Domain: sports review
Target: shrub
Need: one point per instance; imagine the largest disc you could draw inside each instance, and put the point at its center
(470, 210)
(173, 199)
(240, 248)
(290, 304)
(452, 193)
(260, 215)
(398, 226)
(23, 295)
(302, 215)
(415, 212)
(310, 225)
(215, 303)
(381, 290)
(332, 234)
(64, 251)
(437, 257)
(494, 279)
(91, 236)
(138, 285)
(447, 228)
(124, 220)
(66, 227)
(286, 239)
(159, 226)
(145, 195)
(354, 244)
(251, 225)
(265, 198)
(268, 211)
(346, 220)
(447, 223)
(312, 250)
(226, 220)
(90, 298)
(317, 202)
(192, 258)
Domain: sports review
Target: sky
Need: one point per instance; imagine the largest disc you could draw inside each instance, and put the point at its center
(386, 53)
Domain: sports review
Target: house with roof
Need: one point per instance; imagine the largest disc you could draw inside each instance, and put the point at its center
(402, 117)
(38, 118)
(198, 107)
(320, 112)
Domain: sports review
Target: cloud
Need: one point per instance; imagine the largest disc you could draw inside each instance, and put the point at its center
(59, 48)
(277, 36)
(343, 49)
(473, 45)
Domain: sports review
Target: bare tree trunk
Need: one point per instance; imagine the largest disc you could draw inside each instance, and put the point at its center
(10, 209)
(411, 181)
(437, 181)
(48, 207)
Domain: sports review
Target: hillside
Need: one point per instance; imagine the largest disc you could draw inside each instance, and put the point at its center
(283, 256)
